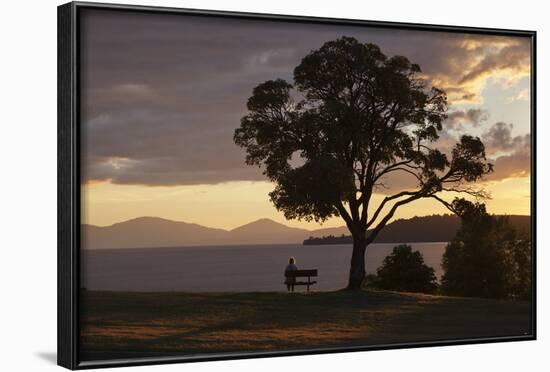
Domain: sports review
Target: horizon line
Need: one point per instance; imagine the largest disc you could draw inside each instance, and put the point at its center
(279, 223)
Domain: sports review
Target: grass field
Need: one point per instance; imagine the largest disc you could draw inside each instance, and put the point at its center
(115, 324)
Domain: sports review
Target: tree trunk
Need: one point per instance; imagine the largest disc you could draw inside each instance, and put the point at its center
(357, 269)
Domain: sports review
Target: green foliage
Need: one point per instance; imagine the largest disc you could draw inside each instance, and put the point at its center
(487, 258)
(404, 270)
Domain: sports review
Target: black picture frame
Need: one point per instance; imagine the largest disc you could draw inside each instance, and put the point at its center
(69, 181)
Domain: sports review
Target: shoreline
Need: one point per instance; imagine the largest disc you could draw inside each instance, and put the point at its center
(246, 245)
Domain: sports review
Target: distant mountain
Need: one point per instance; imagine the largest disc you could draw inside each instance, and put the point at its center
(149, 232)
(436, 228)
(158, 232)
(267, 231)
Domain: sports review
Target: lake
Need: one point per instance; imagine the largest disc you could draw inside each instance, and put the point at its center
(230, 268)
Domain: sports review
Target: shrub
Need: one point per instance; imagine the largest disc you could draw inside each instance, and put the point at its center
(404, 270)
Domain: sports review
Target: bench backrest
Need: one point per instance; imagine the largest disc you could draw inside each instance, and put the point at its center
(299, 273)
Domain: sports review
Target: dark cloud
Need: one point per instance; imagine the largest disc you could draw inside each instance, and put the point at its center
(499, 138)
(471, 116)
(162, 94)
(511, 154)
(517, 164)
(158, 148)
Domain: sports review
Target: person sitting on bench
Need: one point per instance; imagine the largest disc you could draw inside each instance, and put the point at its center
(290, 280)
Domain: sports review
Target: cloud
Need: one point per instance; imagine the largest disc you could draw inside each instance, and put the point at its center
(517, 164)
(471, 116)
(158, 149)
(513, 59)
(499, 138)
(511, 155)
(162, 94)
(522, 95)
(477, 59)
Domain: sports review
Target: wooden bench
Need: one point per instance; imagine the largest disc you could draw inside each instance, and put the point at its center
(303, 274)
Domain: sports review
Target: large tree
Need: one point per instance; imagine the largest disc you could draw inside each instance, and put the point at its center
(353, 118)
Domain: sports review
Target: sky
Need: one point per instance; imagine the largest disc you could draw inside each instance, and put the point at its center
(161, 96)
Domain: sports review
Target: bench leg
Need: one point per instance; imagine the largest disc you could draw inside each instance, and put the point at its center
(308, 284)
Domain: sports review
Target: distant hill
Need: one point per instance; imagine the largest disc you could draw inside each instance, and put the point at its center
(158, 232)
(266, 231)
(149, 232)
(436, 228)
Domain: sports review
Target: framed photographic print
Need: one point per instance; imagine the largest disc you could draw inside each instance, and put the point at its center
(235, 185)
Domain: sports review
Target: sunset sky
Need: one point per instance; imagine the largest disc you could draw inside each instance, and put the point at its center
(162, 95)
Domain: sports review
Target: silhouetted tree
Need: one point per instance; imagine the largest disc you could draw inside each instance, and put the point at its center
(487, 258)
(356, 117)
(404, 270)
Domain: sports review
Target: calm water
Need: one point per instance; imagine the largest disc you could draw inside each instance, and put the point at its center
(229, 268)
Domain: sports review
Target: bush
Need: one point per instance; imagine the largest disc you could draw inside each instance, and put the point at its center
(487, 258)
(405, 270)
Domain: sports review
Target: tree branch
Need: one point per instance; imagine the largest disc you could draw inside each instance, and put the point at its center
(345, 215)
(389, 168)
(374, 233)
(386, 200)
(447, 205)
